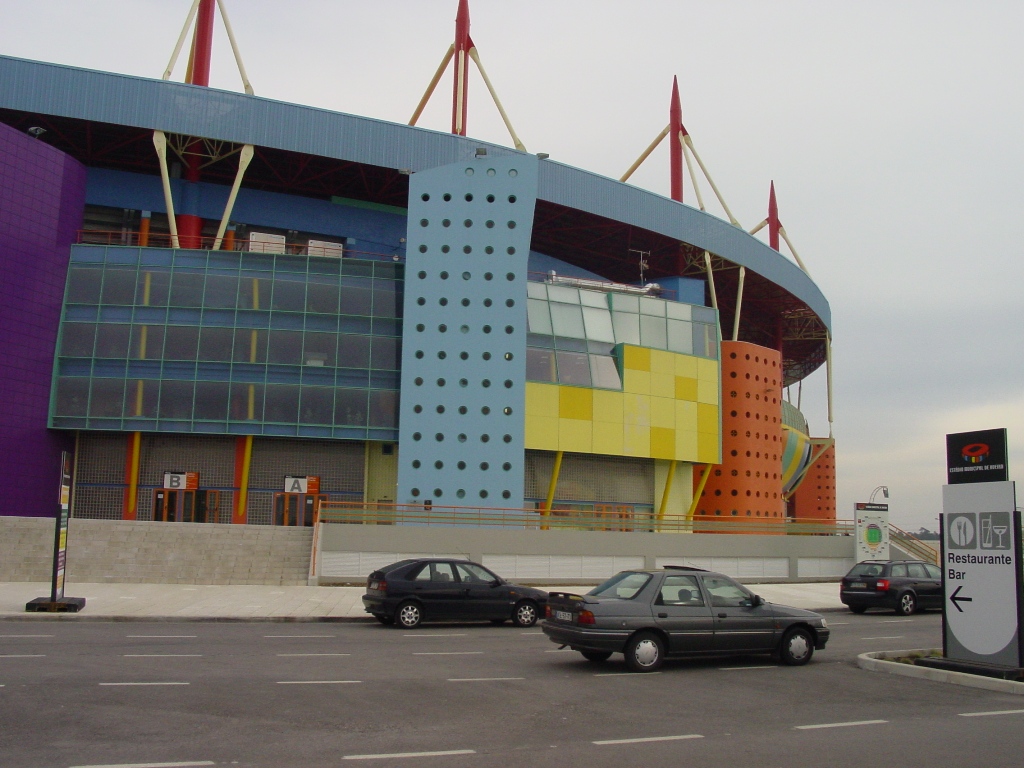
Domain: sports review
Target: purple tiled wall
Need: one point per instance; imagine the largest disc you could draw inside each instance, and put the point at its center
(42, 198)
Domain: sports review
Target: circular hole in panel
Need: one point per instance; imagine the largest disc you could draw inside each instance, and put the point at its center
(417, 436)
(507, 411)
(462, 438)
(510, 302)
(485, 410)
(444, 275)
(467, 223)
(421, 301)
(469, 171)
(486, 355)
(445, 248)
(507, 438)
(460, 493)
(488, 276)
(442, 355)
(443, 301)
(424, 197)
(461, 465)
(513, 172)
(484, 466)
(464, 328)
(509, 329)
(415, 463)
(506, 494)
(490, 198)
(447, 197)
(511, 225)
(510, 276)
(417, 408)
(465, 302)
(419, 354)
(418, 381)
(463, 410)
(464, 355)
(438, 464)
(467, 249)
(423, 249)
(507, 466)
(439, 437)
(442, 328)
(483, 494)
(466, 275)
(446, 222)
(440, 409)
(511, 198)
(488, 249)
(485, 438)
(422, 275)
(440, 382)
(415, 491)
(490, 172)
(463, 382)
(469, 197)
(485, 383)
(424, 223)
(508, 355)
(489, 224)
(438, 493)
(508, 383)
(487, 302)
(487, 329)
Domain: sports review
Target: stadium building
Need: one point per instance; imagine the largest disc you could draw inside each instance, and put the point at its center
(233, 309)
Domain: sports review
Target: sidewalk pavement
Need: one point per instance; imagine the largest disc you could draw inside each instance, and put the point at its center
(198, 602)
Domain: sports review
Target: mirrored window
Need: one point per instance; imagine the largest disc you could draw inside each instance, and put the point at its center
(76, 339)
(84, 285)
(573, 368)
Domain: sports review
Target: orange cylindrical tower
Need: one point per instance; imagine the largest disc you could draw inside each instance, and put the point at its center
(815, 498)
(748, 483)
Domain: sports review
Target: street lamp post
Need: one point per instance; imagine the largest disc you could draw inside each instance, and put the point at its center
(885, 493)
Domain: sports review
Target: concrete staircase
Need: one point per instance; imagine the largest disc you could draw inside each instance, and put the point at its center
(157, 553)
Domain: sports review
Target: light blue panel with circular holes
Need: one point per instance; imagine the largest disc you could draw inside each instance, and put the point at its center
(464, 335)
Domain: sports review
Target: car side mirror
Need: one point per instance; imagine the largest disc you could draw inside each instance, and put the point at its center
(496, 583)
(756, 601)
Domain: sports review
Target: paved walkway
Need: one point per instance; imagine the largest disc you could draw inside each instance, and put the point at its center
(258, 603)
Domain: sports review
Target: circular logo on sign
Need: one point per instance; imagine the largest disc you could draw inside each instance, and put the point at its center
(873, 536)
(975, 453)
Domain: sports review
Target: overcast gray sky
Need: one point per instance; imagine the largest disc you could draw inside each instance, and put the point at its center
(892, 132)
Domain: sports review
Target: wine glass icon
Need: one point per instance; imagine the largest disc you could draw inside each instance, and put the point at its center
(999, 530)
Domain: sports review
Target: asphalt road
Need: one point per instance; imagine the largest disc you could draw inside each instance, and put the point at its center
(324, 694)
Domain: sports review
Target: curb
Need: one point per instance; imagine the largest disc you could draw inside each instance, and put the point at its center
(190, 619)
(877, 661)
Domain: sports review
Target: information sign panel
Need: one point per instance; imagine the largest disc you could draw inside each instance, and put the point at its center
(60, 542)
(872, 531)
(981, 569)
(976, 457)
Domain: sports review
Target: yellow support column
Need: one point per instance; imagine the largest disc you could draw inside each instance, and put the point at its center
(546, 512)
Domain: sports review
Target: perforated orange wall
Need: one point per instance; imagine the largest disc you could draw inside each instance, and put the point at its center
(815, 499)
(748, 483)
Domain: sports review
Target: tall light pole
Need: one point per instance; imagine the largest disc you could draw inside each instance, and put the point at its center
(885, 493)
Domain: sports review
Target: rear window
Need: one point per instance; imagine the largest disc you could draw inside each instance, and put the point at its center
(623, 585)
(867, 569)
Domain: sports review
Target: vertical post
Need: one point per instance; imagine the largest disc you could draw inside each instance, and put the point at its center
(675, 144)
(243, 463)
(131, 499)
(774, 225)
(555, 471)
(696, 494)
(144, 223)
(460, 91)
(668, 489)
(739, 305)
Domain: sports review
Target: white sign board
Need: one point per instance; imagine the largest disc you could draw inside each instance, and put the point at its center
(872, 532)
(265, 242)
(981, 570)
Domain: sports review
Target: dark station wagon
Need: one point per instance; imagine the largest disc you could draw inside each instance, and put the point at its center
(649, 616)
(409, 592)
(904, 586)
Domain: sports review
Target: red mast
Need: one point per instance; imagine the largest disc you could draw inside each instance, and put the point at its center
(460, 91)
(676, 131)
(774, 225)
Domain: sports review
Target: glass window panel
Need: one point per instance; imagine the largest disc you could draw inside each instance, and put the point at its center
(72, 396)
(107, 398)
(289, 295)
(221, 291)
(564, 294)
(350, 407)
(705, 340)
(538, 340)
(187, 289)
(653, 332)
(176, 399)
(112, 340)
(181, 342)
(383, 408)
(704, 314)
(627, 327)
(155, 293)
(680, 337)
(604, 372)
(654, 307)
(536, 290)
(317, 405)
(76, 339)
(623, 302)
(353, 351)
(678, 311)
(253, 292)
(320, 350)
(356, 296)
(84, 285)
(567, 320)
(141, 399)
(571, 345)
(147, 342)
(600, 348)
(538, 316)
(322, 298)
(211, 402)
(285, 348)
(246, 402)
(598, 323)
(250, 346)
(540, 365)
(573, 368)
(216, 344)
(281, 403)
(385, 353)
(118, 286)
(594, 299)
(385, 301)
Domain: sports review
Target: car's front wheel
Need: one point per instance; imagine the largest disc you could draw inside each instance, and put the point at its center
(645, 652)
(525, 613)
(797, 647)
(906, 604)
(596, 656)
(408, 615)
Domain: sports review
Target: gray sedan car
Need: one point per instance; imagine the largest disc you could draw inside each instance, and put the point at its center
(649, 616)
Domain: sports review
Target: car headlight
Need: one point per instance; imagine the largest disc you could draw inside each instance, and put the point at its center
(823, 624)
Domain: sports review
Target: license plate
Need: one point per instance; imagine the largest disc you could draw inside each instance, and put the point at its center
(563, 615)
(374, 584)
(858, 585)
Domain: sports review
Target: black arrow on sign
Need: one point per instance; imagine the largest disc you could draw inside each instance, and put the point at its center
(957, 600)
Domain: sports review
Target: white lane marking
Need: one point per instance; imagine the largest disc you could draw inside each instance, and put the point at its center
(420, 634)
(624, 674)
(145, 683)
(317, 682)
(481, 679)
(838, 623)
(531, 633)
(22, 656)
(884, 637)
(735, 669)
(838, 725)
(449, 653)
(411, 754)
(649, 738)
(897, 621)
(193, 764)
(167, 637)
(15, 637)
(162, 655)
(994, 712)
(123, 597)
(561, 650)
(294, 637)
(314, 654)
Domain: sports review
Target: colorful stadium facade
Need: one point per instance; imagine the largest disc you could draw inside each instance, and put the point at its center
(233, 308)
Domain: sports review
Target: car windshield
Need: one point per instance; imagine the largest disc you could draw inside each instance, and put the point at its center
(866, 569)
(622, 585)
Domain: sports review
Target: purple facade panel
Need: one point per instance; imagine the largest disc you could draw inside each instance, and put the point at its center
(42, 199)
